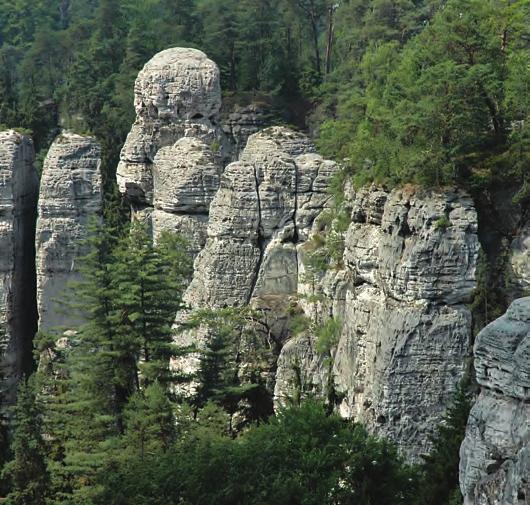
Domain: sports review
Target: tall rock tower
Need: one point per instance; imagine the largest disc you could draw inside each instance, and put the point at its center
(172, 160)
(70, 195)
(18, 199)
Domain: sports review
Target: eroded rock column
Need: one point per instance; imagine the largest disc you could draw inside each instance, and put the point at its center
(173, 157)
(70, 196)
(18, 200)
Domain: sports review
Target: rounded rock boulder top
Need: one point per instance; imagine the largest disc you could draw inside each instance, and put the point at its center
(178, 83)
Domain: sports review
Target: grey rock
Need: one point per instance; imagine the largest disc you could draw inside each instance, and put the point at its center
(399, 294)
(495, 454)
(177, 94)
(252, 224)
(265, 205)
(520, 258)
(70, 196)
(427, 246)
(178, 83)
(18, 201)
(186, 177)
(242, 122)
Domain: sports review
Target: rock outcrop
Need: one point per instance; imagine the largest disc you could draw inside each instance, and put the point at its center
(399, 290)
(18, 200)
(263, 209)
(70, 196)
(170, 181)
(495, 455)
(242, 122)
(262, 213)
(407, 270)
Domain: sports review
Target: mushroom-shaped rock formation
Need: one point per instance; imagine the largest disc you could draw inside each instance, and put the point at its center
(177, 94)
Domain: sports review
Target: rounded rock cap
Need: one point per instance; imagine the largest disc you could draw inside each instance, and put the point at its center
(178, 83)
(519, 310)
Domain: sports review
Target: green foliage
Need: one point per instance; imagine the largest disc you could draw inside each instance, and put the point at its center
(299, 324)
(235, 335)
(73, 64)
(327, 336)
(300, 456)
(442, 223)
(437, 107)
(118, 359)
(440, 485)
(27, 471)
(490, 299)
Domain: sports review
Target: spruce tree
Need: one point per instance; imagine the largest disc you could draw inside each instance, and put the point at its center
(149, 282)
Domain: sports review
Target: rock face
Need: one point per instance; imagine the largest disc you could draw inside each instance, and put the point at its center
(520, 258)
(495, 455)
(186, 177)
(407, 270)
(260, 213)
(242, 122)
(70, 195)
(399, 289)
(18, 200)
(170, 181)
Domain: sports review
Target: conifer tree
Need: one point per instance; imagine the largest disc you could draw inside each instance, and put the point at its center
(440, 484)
(149, 422)
(149, 281)
(27, 472)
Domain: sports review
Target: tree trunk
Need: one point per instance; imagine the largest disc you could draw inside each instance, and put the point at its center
(329, 47)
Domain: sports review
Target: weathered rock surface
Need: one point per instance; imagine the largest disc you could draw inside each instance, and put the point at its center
(242, 122)
(265, 206)
(520, 258)
(495, 455)
(254, 221)
(408, 268)
(18, 200)
(175, 152)
(70, 195)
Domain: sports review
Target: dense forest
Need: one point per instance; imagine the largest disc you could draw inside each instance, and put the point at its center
(440, 88)
(106, 420)
(426, 92)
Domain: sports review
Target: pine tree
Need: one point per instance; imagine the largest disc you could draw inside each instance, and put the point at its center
(149, 422)
(86, 408)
